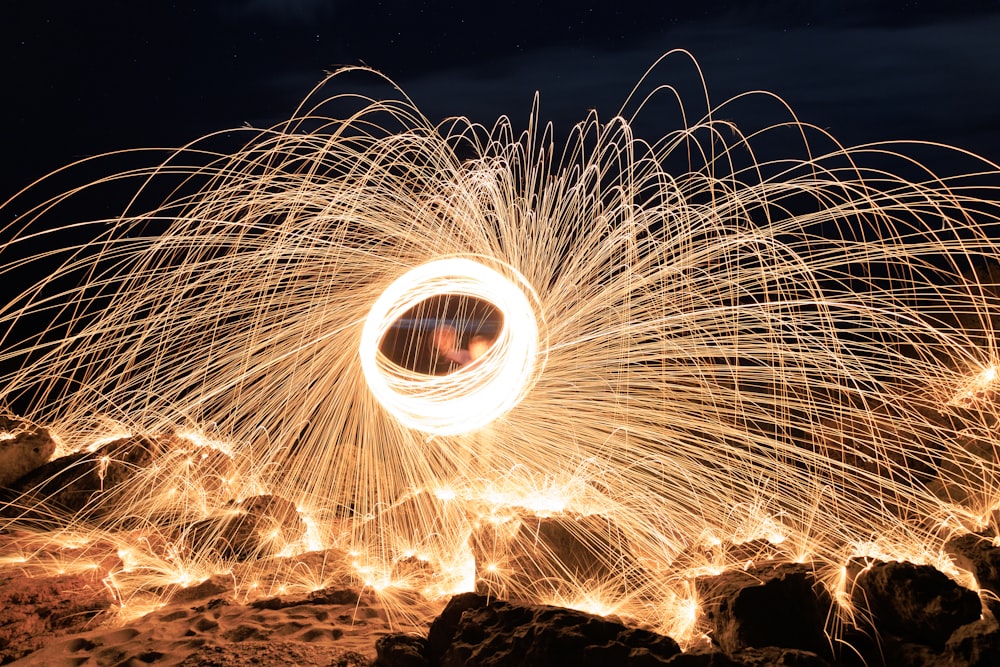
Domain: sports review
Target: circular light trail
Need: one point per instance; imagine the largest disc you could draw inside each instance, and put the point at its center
(476, 394)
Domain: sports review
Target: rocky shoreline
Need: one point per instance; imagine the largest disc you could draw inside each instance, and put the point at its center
(768, 612)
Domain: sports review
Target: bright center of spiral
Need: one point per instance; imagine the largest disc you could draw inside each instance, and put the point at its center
(459, 315)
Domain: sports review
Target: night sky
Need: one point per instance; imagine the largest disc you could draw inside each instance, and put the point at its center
(84, 78)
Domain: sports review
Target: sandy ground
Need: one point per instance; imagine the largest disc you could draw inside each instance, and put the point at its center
(226, 634)
(51, 617)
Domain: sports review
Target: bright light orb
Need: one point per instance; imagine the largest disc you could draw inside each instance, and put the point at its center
(476, 394)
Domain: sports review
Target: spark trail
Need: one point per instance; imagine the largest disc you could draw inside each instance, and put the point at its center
(686, 348)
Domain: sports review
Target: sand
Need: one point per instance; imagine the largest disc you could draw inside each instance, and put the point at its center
(224, 633)
(71, 618)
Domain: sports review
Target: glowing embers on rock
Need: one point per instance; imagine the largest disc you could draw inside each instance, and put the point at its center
(451, 345)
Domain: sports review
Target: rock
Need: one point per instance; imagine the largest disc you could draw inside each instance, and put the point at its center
(727, 554)
(252, 528)
(322, 596)
(975, 644)
(471, 631)
(326, 567)
(399, 650)
(916, 603)
(977, 555)
(784, 606)
(703, 659)
(87, 482)
(556, 552)
(897, 653)
(23, 448)
(773, 656)
(214, 586)
(445, 626)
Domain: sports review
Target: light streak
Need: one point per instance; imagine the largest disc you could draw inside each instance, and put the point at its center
(705, 354)
(476, 395)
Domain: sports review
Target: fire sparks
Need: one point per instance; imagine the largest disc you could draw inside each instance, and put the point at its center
(448, 359)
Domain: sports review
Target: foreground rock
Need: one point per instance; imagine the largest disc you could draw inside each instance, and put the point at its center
(975, 645)
(769, 615)
(976, 554)
(915, 603)
(553, 552)
(252, 528)
(23, 448)
(86, 483)
(473, 630)
(782, 605)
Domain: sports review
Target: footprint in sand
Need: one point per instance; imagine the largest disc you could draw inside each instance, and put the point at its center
(174, 616)
(119, 636)
(185, 646)
(69, 661)
(289, 628)
(320, 635)
(148, 657)
(370, 612)
(80, 644)
(242, 633)
(110, 656)
(309, 614)
(204, 624)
